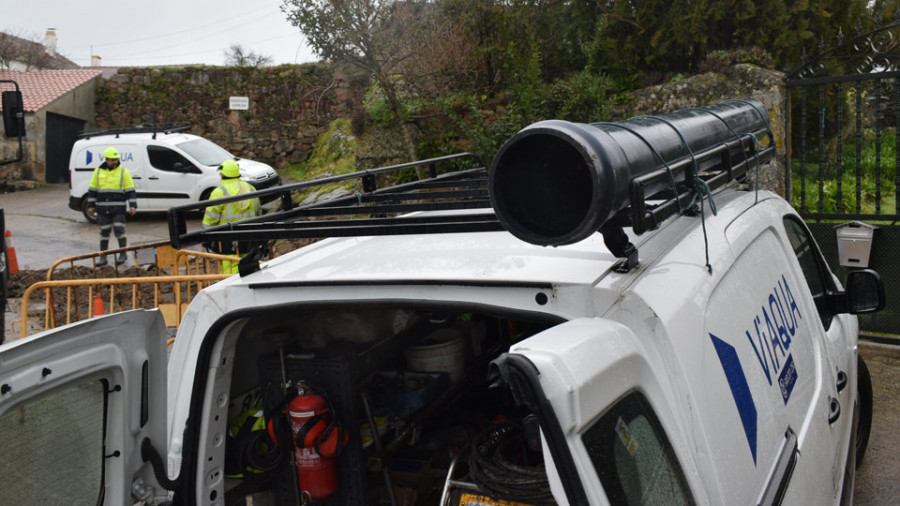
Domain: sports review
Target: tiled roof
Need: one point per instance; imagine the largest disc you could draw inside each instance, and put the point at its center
(17, 48)
(40, 87)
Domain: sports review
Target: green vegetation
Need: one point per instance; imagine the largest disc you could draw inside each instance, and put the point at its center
(843, 178)
(470, 73)
(334, 154)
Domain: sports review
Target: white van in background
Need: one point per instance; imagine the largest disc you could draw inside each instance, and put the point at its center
(169, 167)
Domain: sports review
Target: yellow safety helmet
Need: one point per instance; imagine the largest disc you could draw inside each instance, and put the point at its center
(111, 153)
(229, 168)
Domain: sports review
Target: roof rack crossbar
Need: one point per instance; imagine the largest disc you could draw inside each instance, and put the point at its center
(243, 231)
(731, 167)
(460, 190)
(419, 195)
(377, 210)
(138, 129)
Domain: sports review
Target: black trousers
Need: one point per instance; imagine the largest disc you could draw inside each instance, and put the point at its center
(113, 222)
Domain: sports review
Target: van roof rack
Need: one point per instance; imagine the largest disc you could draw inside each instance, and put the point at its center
(374, 211)
(137, 129)
(369, 210)
(553, 183)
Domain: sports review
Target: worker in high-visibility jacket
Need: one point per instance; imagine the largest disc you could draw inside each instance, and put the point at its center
(230, 212)
(111, 194)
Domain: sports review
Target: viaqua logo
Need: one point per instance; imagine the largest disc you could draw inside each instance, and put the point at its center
(124, 157)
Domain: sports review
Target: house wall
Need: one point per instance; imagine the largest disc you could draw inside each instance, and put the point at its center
(78, 104)
(9, 147)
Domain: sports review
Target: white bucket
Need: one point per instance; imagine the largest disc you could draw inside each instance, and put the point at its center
(444, 350)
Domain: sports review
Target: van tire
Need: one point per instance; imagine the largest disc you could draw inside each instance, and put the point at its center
(864, 395)
(91, 217)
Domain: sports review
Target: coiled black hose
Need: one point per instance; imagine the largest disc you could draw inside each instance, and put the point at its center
(492, 470)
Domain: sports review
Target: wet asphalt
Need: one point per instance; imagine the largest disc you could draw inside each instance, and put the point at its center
(44, 229)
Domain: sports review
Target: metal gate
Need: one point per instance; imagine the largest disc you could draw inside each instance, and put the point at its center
(62, 132)
(843, 134)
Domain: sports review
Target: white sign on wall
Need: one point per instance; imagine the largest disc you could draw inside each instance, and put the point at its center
(239, 103)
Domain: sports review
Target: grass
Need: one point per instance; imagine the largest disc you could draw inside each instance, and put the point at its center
(870, 166)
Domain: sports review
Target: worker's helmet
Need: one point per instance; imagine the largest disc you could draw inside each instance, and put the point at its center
(229, 168)
(111, 153)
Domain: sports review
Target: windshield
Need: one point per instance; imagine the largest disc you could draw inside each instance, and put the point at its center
(206, 152)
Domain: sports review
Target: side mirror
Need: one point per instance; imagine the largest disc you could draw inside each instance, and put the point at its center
(864, 292)
(178, 167)
(13, 114)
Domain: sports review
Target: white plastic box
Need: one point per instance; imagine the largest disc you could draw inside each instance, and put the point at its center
(855, 243)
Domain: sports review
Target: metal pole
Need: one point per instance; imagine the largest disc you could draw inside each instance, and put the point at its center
(4, 277)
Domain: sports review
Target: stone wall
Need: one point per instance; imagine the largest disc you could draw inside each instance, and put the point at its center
(290, 105)
(382, 147)
(739, 81)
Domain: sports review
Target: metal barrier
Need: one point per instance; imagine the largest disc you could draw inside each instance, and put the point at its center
(50, 314)
(134, 250)
(200, 262)
(172, 311)
(194, 269)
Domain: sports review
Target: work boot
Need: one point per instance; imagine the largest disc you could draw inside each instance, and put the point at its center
(122, 257)
(104, 245)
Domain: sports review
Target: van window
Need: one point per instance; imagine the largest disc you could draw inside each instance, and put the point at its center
(163, 158)
(206, 152)
(816, 272)
(53, 448)
(633, 457)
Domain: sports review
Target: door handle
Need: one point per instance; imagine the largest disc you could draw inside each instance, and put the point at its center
(834, 410)
(841, 380)
(153, 178)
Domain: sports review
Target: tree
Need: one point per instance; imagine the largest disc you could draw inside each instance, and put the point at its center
(372, 35)
(239, 57)
(672, 36)
(23, 53)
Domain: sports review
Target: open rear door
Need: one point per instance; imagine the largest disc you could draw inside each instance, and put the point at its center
(605, 418)
(76, 403)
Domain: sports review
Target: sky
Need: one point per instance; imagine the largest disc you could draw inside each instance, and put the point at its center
(158, 32)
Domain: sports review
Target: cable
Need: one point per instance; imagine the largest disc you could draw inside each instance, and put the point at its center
(655, 152)
(491, 469)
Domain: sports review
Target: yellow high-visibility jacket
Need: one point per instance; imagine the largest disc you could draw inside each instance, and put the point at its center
(111, 189)
(232, 211)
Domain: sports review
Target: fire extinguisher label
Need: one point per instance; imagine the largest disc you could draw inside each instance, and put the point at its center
(308, 459)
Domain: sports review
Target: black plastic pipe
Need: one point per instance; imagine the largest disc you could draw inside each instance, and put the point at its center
(557, 182)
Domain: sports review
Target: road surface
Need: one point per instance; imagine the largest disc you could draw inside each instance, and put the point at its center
(44, 229)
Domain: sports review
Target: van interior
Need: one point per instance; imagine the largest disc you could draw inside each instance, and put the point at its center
(419, 374)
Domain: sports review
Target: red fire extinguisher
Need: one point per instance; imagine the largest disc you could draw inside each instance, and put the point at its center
(318, 439)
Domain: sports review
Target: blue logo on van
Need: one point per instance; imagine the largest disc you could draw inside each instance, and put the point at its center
(773, 329)
(740, 390)
(787, 379)
(124, 156)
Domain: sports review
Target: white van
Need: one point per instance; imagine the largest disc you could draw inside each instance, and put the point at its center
(169, 167)
(696, 350)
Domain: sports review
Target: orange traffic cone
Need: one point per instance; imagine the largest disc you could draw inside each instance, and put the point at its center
(11, 254)
(98, 306)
